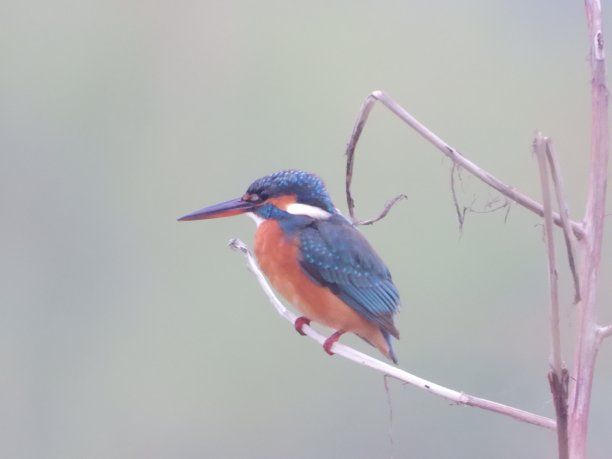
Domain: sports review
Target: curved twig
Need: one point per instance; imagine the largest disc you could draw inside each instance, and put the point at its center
(388, 205)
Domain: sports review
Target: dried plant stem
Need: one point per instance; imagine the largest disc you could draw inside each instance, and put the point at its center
(446, 149)
(555, 173)
(540, 152)
(349, 353)
(557, 376)
(588, 335)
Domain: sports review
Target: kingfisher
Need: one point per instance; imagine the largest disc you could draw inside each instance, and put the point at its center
(316, 258)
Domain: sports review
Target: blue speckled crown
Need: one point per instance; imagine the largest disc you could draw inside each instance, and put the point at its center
(308, 188)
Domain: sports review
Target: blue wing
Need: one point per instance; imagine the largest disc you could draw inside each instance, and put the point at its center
(336, 255)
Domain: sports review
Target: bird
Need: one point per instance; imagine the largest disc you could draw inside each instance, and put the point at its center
(316, 258)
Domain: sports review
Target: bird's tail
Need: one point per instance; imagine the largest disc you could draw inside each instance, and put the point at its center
(391, 352)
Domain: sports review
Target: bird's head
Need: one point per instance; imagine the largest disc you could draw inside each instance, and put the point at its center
(278, 195)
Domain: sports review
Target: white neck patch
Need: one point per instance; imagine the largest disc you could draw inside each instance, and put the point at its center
(315, 212)
(256, 218)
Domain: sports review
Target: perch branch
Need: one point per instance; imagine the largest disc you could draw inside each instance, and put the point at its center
(446, 149)
(558, 376)
(349, 353)
(555, 173)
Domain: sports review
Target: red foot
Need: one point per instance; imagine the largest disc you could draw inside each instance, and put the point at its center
(299, 324)
(329, 342)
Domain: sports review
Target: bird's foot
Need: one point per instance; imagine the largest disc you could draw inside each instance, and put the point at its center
(329, 342)
(299, 324)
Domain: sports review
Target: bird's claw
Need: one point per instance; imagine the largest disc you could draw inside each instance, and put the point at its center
(329, 342)
(299, 324)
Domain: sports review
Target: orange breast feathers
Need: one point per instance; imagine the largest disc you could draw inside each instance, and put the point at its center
(278, 258)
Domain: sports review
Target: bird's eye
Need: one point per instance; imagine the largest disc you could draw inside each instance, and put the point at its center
(252, 197)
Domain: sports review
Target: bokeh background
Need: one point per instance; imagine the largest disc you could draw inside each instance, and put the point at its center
(125, 334)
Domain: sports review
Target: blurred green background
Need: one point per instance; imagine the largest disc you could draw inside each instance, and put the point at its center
(125, 334)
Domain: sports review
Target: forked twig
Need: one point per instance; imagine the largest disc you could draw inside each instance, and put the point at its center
(349, 353)
(446, 149)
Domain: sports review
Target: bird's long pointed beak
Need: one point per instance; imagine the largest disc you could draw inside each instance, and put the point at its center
(223, 209)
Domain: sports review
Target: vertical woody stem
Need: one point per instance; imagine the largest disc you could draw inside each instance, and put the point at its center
(587, 339)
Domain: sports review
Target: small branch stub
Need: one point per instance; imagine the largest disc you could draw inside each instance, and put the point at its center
(604, 332)
(559, 389)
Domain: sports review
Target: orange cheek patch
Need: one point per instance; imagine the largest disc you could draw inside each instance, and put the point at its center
(283, 201)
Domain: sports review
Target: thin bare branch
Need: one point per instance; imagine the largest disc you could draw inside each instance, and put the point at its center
(349, 353)
(539, 148)
(460, 212)
(557, 380)
(557, 179)
(390, 408)
(446, 149)
(388, 205)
